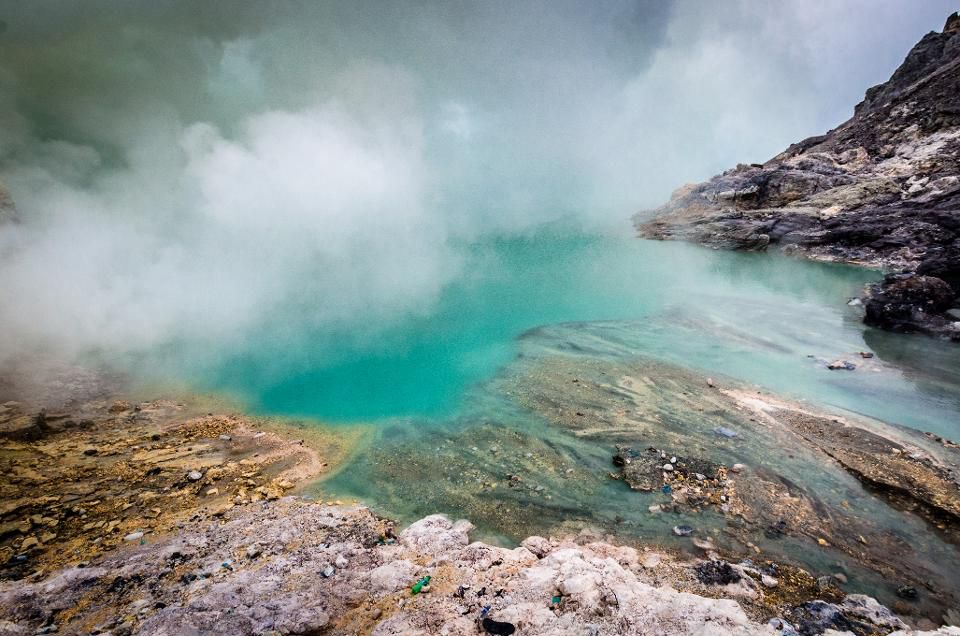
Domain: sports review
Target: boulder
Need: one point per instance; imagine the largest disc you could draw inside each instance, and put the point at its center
(393, 576)
(905, 303)
(24, 428)
(436, 535)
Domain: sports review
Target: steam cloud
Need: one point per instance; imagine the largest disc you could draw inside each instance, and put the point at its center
(186, 172)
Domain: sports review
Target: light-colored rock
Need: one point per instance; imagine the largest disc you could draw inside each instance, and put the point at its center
(868, 608)
(436, 534)
(602, 588)
(537, 545)
(392, 576)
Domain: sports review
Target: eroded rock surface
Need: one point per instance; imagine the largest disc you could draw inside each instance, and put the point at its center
(778, 473)
(319, 569)
(146, 517)
(882, 190)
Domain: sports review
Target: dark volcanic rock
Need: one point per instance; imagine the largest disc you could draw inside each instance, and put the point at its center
(717, 573)
(882, 189)
(907, 303)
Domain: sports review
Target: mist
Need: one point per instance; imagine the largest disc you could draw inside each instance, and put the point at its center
(188, 172)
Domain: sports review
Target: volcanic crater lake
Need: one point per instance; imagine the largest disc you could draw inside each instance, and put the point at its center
(760, 318)
(442, 392)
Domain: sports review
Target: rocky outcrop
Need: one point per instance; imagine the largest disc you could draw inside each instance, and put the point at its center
(712, 446)
(297, 567)
(130, 517)
(882, 190)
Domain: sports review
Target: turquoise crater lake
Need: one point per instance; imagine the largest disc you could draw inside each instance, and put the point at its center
(760, 318)
(438, 389)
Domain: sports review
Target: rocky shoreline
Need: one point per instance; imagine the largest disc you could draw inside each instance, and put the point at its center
(161, 517)
(881, 190)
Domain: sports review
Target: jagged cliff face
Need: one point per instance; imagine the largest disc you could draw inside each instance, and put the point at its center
(882, 189)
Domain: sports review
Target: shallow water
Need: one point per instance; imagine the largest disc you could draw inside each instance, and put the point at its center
(440, 388)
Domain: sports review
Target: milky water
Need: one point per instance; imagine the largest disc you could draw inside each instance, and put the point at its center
(755, 317)
(436, 388)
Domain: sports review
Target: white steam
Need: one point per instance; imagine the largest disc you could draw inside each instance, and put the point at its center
(188, 176)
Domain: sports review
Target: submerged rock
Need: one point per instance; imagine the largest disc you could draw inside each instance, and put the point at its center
(841, 364)
(793, 450)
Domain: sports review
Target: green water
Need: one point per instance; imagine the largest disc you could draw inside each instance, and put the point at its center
(439, 389)
(754, 317)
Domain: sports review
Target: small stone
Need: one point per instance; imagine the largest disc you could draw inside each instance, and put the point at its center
(376, 613)
(682, 530)
(342, 562)
(225, 437)
(866, 354)
(717, 573)
(907, 591)
(768, 581)
(841, 365)
(90, 452)
(194, 475)
(222, 509)
(30, 543)
(328, 571)
(841, 577)
(668, 467)
(782, 627)
(737, 468)
(253, 551)
(212, 492)
(710, 382)
(822, 542)
(133, 536)
(655, 508)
